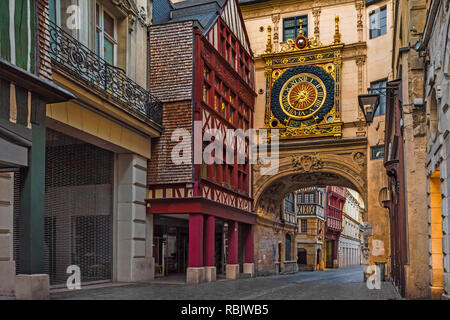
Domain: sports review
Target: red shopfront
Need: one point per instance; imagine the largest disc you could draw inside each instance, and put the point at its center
(210, 238)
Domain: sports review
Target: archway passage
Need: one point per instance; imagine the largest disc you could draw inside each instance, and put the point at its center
(302, 165)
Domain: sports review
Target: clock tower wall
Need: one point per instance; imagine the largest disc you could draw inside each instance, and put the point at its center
(362, 60)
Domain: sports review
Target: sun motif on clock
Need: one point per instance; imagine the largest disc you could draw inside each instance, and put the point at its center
(303, 94)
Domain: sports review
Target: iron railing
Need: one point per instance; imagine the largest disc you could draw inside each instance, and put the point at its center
(83, 63)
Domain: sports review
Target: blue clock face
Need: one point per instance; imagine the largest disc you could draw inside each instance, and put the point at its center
(302, 94)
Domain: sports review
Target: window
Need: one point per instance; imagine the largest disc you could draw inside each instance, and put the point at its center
(291, 27)
(304, 225)
(377, 22)
(377, 152)
(381, 86)
(54, 12)
(105, 35)
(289, 203)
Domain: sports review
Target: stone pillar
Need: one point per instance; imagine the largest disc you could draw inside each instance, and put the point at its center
(249, 267)
(209, 242)
(134, 259)
(195, 273)
(7, 264)
(34, 283)
(335, 253)
(232, 269)
(445, 210)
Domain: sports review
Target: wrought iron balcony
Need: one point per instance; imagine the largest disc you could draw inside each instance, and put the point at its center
(81, 62)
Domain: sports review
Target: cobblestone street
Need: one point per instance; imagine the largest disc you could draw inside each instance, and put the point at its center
(345, 283)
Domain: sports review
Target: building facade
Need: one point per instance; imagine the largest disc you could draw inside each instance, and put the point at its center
(314, 158)
(435, 49)
(333, 224)
(201, 66)
(311, 206)
(349, 241)
(98, 145)
(405, 150)
(25, 88)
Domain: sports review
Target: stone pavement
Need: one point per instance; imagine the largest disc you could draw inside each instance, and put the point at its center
(345, 283)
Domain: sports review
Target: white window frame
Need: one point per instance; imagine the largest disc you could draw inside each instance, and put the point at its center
(102, 34)
(57, 12)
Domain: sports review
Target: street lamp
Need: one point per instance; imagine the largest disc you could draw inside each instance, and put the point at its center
(369, 104)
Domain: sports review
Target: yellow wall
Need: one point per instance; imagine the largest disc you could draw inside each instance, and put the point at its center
(364, 61)
(436, 267)
(92, 123)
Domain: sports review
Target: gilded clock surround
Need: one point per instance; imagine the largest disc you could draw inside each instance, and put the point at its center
(319, 65)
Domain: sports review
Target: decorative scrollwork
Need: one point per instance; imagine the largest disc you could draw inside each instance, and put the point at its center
(81, 62)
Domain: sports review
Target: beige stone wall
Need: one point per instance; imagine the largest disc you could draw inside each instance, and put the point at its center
(437, 98)
(410, 23)
(364, 61)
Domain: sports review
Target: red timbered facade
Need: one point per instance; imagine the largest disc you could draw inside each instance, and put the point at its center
(333, 224)
(213, 94)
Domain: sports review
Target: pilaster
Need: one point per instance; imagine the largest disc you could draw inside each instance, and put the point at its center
(134, 258)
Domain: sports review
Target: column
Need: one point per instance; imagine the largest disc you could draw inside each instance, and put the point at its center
(195, 273)
(7, 263)
(134, 229)
(209, 244)
(232, 269)
(249, 266)
(335, 248)
(34, 283)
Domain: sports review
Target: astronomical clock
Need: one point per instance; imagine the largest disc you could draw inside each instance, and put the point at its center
(303, 88)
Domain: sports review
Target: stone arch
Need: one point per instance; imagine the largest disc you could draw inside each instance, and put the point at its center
(343, 166)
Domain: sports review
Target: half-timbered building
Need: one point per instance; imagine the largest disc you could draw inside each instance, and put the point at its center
(201, 67)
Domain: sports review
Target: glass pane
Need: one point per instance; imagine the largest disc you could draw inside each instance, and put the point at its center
(289, 34)
(109, 51)
(289, 23)
(97, 42)
(97, 15)
(109, 24)
(52, 10)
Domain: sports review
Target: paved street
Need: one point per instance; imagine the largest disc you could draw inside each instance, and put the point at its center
(345, 283)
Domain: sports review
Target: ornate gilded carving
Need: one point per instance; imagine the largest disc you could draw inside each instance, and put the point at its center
(337, 35)
(304, 122)
(269, 40)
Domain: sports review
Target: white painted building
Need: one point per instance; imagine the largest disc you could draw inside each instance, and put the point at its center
(349, 245)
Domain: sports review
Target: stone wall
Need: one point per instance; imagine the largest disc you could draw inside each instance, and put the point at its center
(7, 265)
(437, 97)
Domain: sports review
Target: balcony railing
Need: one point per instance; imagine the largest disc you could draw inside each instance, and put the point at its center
(77, 59)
